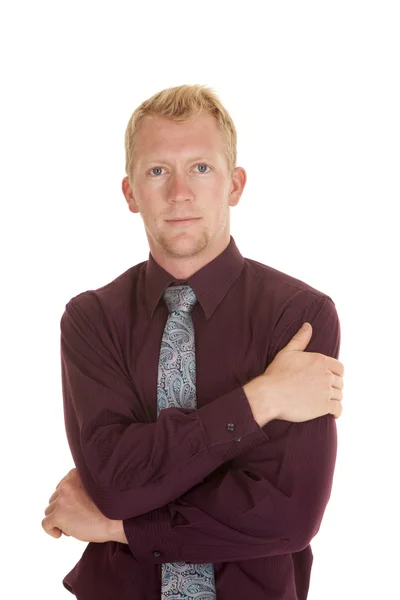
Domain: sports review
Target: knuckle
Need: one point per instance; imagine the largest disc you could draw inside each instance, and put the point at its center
(319, 358)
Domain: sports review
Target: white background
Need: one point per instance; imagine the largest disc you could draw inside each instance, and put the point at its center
(313, 89)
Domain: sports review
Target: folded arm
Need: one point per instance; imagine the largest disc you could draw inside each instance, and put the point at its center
(267, 501)
(129, 467)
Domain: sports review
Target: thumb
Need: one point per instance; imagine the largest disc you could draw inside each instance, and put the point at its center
(301, 339)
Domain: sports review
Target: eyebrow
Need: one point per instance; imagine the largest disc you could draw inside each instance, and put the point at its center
(163, 160)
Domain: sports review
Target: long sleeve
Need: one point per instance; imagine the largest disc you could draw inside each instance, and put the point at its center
(130, 467)
(267, 501)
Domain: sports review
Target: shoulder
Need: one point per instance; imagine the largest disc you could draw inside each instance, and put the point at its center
(111, 299)
(285, 284)
(288, 303)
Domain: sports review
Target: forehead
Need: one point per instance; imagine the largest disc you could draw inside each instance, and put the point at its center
(160, 137)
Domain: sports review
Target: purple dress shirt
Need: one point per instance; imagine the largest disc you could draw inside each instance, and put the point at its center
(196, 485)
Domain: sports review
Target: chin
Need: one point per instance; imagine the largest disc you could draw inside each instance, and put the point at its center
(184, 244)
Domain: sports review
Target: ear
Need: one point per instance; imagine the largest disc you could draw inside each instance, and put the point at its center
(239, 178)
(127, 191)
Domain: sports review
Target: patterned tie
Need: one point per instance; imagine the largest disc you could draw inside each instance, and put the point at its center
(176, 386)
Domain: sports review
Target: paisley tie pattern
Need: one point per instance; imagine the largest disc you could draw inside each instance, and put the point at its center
(176, 386)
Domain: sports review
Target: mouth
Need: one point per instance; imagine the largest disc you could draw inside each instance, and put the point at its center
(182, 221)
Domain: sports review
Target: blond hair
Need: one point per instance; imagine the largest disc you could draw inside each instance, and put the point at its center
(183, 103)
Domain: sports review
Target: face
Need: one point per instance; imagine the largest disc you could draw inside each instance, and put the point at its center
(181, 170)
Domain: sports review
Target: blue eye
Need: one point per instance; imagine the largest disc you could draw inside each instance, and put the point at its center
(202, 165)
(154, 168)
(198, 165)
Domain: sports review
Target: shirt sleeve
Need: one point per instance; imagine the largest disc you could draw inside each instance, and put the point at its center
(129, 467)
(267, 501)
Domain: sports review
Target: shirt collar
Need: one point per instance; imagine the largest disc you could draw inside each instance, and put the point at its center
(210, 284)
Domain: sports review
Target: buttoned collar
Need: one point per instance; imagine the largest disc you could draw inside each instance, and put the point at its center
(210, 284)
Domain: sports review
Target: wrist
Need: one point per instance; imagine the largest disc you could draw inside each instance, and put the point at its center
(261, 400)
(116, 532)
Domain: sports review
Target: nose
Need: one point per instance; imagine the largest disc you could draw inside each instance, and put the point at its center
(179, 188)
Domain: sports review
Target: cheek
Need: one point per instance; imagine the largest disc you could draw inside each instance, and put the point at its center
(148, 198)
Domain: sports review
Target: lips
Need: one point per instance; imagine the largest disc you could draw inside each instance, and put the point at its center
(183, 219)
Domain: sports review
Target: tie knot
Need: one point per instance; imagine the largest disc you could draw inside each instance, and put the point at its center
(180, 297)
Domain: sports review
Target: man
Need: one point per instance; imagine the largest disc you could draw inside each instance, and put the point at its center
(203, 434)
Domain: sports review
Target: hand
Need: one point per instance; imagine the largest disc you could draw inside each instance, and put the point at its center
(71, 511)
(297, 386)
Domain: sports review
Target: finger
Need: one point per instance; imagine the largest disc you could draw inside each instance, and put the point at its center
(63, 479)
(335, 365)
(51, 508)
(54, 496)
(337, 382)
(50, 528)
(72, 473)
(336, 408)
(55, 532)
(336, 394)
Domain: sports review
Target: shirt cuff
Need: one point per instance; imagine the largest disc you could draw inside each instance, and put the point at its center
(229, 425)
(150, 536)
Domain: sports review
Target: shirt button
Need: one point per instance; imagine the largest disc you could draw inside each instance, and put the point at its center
(157, 553)
(230, 427)
(237, 439)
